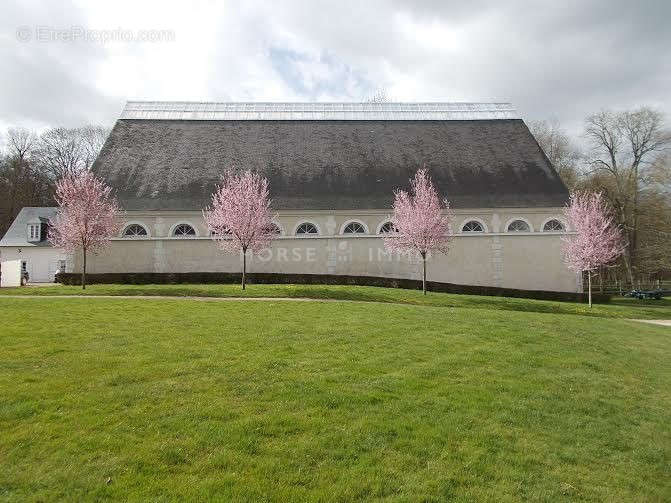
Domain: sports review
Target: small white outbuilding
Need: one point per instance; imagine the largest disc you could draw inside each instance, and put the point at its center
(25, 249)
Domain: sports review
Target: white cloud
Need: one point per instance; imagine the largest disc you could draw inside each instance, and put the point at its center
(564, 60)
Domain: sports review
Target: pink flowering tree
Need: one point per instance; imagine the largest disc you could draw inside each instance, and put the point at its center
(421, 221)
(239, 217)
(597, 240)
(87, 217)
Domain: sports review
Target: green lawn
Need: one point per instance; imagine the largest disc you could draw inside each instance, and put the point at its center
(618, 308)
(172, 400)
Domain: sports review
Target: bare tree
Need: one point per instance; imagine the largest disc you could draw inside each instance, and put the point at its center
(21, 182)
(654, 235)
(20, 143)
(68, 151)
(558, 148)
(60, 152)
(623, 146)
(654, 224)
(93, 139)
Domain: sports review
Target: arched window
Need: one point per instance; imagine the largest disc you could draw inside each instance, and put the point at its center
(183, 230)
(354, 228)
(134, 231)
(518, 226)
(386, 228)
(275, 229)
(306, 228)
(553, 225)
(472, 226)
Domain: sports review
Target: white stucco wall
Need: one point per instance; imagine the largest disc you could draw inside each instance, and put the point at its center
(42, 261)
(11, 273)
(494, 258)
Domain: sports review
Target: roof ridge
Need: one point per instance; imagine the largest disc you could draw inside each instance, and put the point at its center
(230, 110)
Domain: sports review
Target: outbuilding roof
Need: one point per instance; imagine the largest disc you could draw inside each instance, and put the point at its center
(171, 162)
(17, 234)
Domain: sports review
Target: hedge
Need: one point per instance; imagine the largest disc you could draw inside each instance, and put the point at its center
(147, 278)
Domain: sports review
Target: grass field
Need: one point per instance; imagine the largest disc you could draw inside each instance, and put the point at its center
(466, 399)
(619, 308)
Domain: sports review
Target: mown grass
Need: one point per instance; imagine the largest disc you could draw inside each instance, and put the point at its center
(172, 400)
(618, 308)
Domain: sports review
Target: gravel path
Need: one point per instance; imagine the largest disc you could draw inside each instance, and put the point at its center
(178, 297)
(664, 323)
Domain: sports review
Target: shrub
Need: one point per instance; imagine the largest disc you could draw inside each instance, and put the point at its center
(145, 278)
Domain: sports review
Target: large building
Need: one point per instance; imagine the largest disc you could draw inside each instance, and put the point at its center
(332, 170)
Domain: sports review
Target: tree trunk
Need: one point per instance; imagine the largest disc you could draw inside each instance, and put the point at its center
(424, 272)
(627, 264)
(84, 271)
(633, 234)
(589, 287)
(601, 274)
(626, 256)
(244, 267)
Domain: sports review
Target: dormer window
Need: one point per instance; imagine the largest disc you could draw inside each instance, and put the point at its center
(34, 233)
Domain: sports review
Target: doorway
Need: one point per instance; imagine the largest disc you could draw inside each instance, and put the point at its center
(24, 270)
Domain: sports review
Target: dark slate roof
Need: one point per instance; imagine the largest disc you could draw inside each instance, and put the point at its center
(328, 164)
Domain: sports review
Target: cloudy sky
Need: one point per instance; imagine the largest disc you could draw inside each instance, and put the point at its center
(69, 63)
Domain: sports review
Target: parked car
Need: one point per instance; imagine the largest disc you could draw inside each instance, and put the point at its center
(646, 294)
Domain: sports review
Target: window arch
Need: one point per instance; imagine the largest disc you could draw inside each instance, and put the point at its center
(354, 227)
(553, 225)
(518, 225)
(473, 225)
(306, 229)
(386, 227)
(134, 230)
(183, 230)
